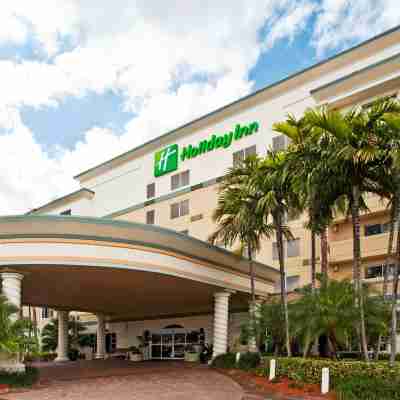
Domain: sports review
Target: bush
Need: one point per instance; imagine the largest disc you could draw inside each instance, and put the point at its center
(24, 379)
(226, 360)
(248, 361)
(73, 354)
(309, 370)
(367, 388)
(40, 356)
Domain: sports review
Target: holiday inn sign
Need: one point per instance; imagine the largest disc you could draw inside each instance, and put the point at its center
(167, 159)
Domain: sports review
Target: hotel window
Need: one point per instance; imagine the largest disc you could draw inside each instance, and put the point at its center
(293, 248)
(47, 313)
(151, 190)
(179, 209)
(66, 212)
(180, 180)
(377, 271)
(275, 251)
(279, 143)
(241, 155)
(376, 229)
(150, 217)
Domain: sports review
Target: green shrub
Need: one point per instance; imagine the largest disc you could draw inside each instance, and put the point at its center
(367, 388)
(73, 354)
(309, 370)
(226, 360)
(248, 361)
(40, 356)
(24, 379)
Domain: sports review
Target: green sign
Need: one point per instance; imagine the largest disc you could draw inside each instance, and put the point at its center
(166, 160)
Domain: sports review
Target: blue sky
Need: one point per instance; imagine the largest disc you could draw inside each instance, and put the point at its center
(86, 81)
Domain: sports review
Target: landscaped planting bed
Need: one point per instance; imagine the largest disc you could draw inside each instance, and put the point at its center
(350, 379)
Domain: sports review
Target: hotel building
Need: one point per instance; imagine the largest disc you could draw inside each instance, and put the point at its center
(129, 245)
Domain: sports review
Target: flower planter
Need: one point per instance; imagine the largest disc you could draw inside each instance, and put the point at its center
(135, 357)
(192, 357)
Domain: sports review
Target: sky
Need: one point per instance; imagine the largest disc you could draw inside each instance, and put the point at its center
(83, 81)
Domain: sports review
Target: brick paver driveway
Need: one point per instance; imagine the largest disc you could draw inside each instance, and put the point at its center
(123, 380)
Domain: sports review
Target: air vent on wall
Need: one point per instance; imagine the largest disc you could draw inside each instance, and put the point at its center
(195, 218)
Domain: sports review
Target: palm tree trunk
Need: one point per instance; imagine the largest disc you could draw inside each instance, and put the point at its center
(389, 249)
(324, 254)
(393, 333)
(313, 261)
(35, 327)
(252, 308)
(355, 212)
(284, 300)
(378, 348)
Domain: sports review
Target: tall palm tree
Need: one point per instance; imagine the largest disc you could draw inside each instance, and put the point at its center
(354, 162)
(386, 116)
(303, 162)
(238, 218)
(276, 197)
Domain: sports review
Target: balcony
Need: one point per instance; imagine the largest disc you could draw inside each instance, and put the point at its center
(372, 246)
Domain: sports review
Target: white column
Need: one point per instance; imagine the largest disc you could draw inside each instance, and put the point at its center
(62, 348)
(101, 336)
(221, 319)
(12, 289)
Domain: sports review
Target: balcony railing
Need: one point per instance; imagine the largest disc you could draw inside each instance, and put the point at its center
(371, 246)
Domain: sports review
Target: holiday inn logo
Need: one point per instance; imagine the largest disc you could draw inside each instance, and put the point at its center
(166, 160)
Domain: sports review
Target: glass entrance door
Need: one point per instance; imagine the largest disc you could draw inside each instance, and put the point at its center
(170, 344)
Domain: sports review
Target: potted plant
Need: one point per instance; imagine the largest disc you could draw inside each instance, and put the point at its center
(191, 355)
(135, 354)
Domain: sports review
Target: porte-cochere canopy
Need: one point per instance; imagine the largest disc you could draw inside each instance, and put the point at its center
(128, 271)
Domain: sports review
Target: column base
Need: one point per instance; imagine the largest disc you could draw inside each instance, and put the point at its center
(61, 359)
(99, 356)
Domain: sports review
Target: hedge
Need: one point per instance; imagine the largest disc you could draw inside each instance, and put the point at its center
(309, 370)
(20, 379)
(367, 388)
(247, 361)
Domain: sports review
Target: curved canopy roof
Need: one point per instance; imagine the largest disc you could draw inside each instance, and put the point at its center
(105, 264)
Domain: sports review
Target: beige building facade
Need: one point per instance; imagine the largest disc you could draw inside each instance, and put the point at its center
(171, 182)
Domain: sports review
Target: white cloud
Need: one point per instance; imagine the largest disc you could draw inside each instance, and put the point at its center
(342, 22)
(171, 61)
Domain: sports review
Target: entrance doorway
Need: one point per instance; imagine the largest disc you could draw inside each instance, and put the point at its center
(170, 344)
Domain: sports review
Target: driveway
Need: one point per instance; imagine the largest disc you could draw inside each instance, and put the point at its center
(123, 380)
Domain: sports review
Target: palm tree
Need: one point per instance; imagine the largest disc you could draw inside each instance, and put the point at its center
(385, 114)
(14, 334)
(76, 335)
(276, 197)
(328, 312)
(238, 218)
(354, 162)
(303, 162)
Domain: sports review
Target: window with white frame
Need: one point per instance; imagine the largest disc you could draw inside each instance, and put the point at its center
(240, 155)
(293, 248)
(376, 229)
(150, 217)
(151, 190)
(47, 313)
(279, 143)
(179, 209)
(180, 180)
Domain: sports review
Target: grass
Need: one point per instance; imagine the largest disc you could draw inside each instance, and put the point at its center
(17, 380)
